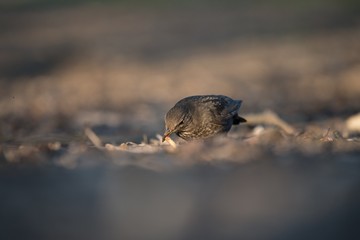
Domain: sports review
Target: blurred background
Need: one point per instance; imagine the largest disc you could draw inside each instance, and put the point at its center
(118, 66)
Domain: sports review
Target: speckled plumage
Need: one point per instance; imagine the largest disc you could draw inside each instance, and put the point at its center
(204, 116)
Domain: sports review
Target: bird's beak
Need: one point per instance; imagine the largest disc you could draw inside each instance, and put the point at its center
(166, 134)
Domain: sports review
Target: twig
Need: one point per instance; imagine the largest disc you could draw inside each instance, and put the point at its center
(93, 138)
(269, 117)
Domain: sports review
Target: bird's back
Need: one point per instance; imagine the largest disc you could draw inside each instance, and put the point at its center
(221, 106)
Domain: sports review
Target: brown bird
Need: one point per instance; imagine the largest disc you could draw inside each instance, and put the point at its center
(204, 116)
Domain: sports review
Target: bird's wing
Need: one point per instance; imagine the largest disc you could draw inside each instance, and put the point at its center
(222, 108)
(227, 107)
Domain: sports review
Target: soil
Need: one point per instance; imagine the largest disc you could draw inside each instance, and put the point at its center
(83, 94)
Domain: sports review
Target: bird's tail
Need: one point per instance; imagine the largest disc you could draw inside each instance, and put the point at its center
(237, 120)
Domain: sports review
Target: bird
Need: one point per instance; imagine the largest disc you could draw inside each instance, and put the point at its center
(202, 116)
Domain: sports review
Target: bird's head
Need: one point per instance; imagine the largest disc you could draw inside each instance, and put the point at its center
(175, 120)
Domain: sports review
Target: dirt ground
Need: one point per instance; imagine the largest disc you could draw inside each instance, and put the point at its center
(83, 94)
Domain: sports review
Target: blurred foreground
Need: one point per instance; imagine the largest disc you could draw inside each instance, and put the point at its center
(75, 78)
